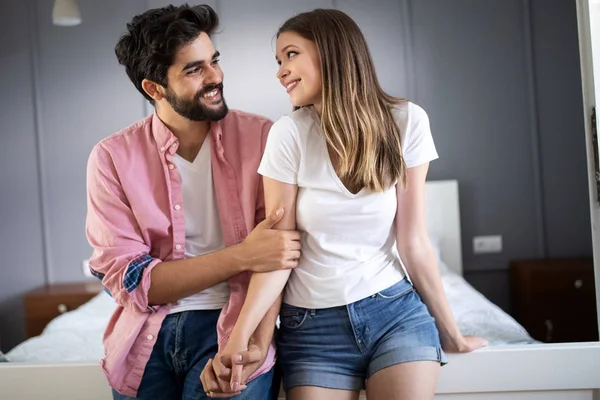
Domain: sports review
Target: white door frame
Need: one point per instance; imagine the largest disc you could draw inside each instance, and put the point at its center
(589, 103)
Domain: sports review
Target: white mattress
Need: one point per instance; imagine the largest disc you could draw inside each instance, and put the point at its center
(77, 335)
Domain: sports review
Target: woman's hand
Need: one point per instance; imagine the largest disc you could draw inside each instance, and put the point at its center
(234, 347)
(463, 344)
(216, 377)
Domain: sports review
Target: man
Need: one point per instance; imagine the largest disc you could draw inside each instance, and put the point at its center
(174, 216)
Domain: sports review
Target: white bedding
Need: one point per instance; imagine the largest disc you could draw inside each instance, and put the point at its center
(478, 316)
(77, 335)
(72, 336)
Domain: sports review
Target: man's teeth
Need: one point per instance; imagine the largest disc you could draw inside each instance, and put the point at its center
(212, 93)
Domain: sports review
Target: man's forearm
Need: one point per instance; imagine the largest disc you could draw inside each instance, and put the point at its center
(175, 280)
(263, 335)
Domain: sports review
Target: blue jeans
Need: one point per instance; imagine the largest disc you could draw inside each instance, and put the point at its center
(341, 347)
(185, 343)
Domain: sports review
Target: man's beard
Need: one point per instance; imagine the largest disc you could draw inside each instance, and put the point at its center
(195, 110)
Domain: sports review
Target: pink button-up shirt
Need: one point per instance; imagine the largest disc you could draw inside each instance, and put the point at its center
(133, 188)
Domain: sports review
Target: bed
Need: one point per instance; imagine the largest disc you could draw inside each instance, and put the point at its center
(63, 359)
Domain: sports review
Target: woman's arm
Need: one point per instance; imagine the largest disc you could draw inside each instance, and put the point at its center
(419, 258)
(265, 288)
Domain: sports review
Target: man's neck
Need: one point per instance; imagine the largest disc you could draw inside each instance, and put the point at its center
(190, 134)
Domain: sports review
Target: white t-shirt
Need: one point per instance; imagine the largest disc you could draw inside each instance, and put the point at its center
(202, 226)
(348, 240)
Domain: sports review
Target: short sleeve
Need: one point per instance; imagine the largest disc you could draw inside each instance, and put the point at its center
(281, 158)
(418, 147)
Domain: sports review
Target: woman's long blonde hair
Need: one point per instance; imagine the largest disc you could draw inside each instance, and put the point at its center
(356, 114)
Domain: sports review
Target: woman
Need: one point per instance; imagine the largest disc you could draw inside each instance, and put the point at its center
(349, 168)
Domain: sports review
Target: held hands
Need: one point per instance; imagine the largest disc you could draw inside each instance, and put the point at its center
(226, 375)
(267, 249)
(243, 364)
(211, 383)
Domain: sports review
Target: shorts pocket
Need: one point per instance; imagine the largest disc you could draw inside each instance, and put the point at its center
(292, 317)
(397, 290)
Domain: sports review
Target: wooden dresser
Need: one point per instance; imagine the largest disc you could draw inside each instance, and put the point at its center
(47, 302)
(555, 299)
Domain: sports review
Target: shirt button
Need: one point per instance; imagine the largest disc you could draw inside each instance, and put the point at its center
(149, 337)
(162, 148)
(178, 247)
(173, 145)
(177, 207)
(171, 166)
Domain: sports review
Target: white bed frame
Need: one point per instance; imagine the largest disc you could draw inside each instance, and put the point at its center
(525, 372)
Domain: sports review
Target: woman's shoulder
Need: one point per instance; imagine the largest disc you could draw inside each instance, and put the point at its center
(299, 122)
(408, 114)
(407, 109)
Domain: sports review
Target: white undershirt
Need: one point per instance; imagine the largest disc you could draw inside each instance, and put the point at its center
(202, 226)
(348, 240)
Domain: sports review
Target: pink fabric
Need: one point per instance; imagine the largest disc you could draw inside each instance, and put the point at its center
(132, 191)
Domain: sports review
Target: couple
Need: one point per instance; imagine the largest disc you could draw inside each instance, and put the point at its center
(208, 223)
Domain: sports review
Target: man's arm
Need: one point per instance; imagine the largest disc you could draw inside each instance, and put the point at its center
(264, 250)
(135, 279)
(175, 280)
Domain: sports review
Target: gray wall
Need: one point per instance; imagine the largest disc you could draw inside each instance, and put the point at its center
(22, 265)
(499, 79)
(501, 82)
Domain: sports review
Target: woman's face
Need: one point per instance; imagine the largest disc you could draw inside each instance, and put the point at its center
(299, 69)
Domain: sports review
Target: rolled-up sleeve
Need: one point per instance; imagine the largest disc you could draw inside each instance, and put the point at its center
(120, 257)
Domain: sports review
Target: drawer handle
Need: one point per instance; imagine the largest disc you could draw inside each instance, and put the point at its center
(578, 284)
(549, 330)
(62, 308)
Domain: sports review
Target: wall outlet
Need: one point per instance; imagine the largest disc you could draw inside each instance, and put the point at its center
(487, 244)
(85, 266)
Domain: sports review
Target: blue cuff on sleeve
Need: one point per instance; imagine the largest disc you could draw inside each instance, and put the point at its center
(134, 273)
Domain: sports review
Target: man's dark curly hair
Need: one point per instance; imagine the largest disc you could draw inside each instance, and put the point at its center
(148, 48)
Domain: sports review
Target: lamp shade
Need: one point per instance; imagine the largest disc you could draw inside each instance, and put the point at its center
(66, 13)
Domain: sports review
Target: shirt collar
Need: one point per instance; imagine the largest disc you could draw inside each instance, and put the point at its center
(167, 142)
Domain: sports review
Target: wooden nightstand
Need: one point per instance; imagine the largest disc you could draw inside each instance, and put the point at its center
(555, 299)
(48, 302)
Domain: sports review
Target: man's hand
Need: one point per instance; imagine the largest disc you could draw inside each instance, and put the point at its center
(266, 249)
(212, 385)
(220, 380)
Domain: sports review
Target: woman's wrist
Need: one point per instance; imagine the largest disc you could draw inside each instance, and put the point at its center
(239, 338)
(451, 333)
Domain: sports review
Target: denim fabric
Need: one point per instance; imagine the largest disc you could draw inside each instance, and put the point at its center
(185, 343)
(341, 347)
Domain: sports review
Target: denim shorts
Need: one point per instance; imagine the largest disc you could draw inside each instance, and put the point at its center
(341, 347)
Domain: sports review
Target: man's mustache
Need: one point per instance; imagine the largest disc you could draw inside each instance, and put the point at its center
(208, 89)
